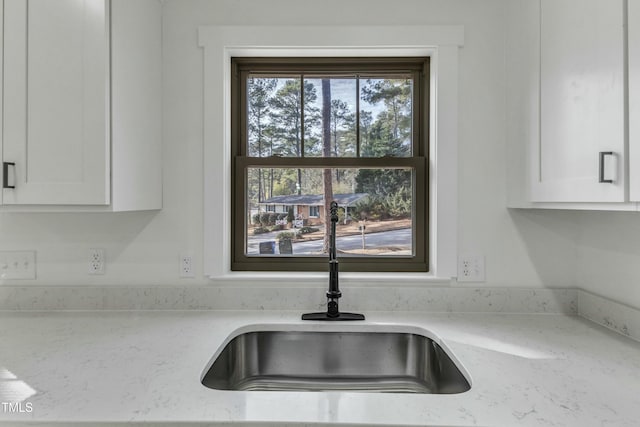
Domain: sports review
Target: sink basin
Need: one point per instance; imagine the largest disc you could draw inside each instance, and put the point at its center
(362, 361)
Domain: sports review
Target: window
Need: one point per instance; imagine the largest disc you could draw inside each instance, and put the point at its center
(442, 43)
(306, 131)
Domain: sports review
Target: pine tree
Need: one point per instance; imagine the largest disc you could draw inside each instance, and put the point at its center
(388, 135)
(260, 91)
(286, 119)
(342, 131)
(396, 96)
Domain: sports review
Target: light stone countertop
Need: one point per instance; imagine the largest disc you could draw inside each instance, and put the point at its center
(145, 366)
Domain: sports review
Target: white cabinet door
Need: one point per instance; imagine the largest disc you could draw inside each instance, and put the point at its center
(56, 101)
(634, 99)
(581, 103)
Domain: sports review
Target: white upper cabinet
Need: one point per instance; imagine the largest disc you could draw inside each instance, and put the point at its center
(55, 109)
(82, 103)
(581, 154)
(634, 99)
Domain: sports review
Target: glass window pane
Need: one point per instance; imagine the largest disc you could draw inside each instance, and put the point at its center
(260, 132)
(386, 116)
(274, 118)
(341, 116)
(375, 215)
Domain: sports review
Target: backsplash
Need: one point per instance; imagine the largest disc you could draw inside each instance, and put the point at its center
(428, 299)
(615, 316)
(612, 315)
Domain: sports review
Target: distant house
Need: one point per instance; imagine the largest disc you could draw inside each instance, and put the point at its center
(309, 207)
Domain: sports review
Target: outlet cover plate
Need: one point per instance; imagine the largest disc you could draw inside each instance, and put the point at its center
(471, 268)
(186, 266)
(96, 261)
(17, 265)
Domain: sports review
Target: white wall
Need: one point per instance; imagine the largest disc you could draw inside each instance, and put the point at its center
(522, 248)
(608, 253)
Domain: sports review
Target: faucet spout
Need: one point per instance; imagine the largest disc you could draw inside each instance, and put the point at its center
(334, 287)
(333, 294)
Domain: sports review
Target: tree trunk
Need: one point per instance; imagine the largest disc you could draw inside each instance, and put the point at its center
(260, 190)
(327, 185)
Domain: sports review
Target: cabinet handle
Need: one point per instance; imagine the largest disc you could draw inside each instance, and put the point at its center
(601, 171)
(5, 174)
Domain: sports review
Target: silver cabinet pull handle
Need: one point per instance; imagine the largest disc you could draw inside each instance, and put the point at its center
(5, 174)
(601, 169)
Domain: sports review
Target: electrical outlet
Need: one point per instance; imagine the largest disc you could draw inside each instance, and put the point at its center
(96, 261)
(186, 266)
(17, 265)
(471, 268)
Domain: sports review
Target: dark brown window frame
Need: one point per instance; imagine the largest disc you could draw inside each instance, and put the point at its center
(419, 161)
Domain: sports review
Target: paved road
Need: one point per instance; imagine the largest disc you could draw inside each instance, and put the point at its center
(396, 238)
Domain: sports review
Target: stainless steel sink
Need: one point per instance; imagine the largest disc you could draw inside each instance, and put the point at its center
(343, 361)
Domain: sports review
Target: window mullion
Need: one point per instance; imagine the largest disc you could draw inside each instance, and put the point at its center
(357, 115)
(301, 115)
(330, 162)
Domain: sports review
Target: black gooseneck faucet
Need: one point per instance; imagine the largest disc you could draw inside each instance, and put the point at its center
(333, 294)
